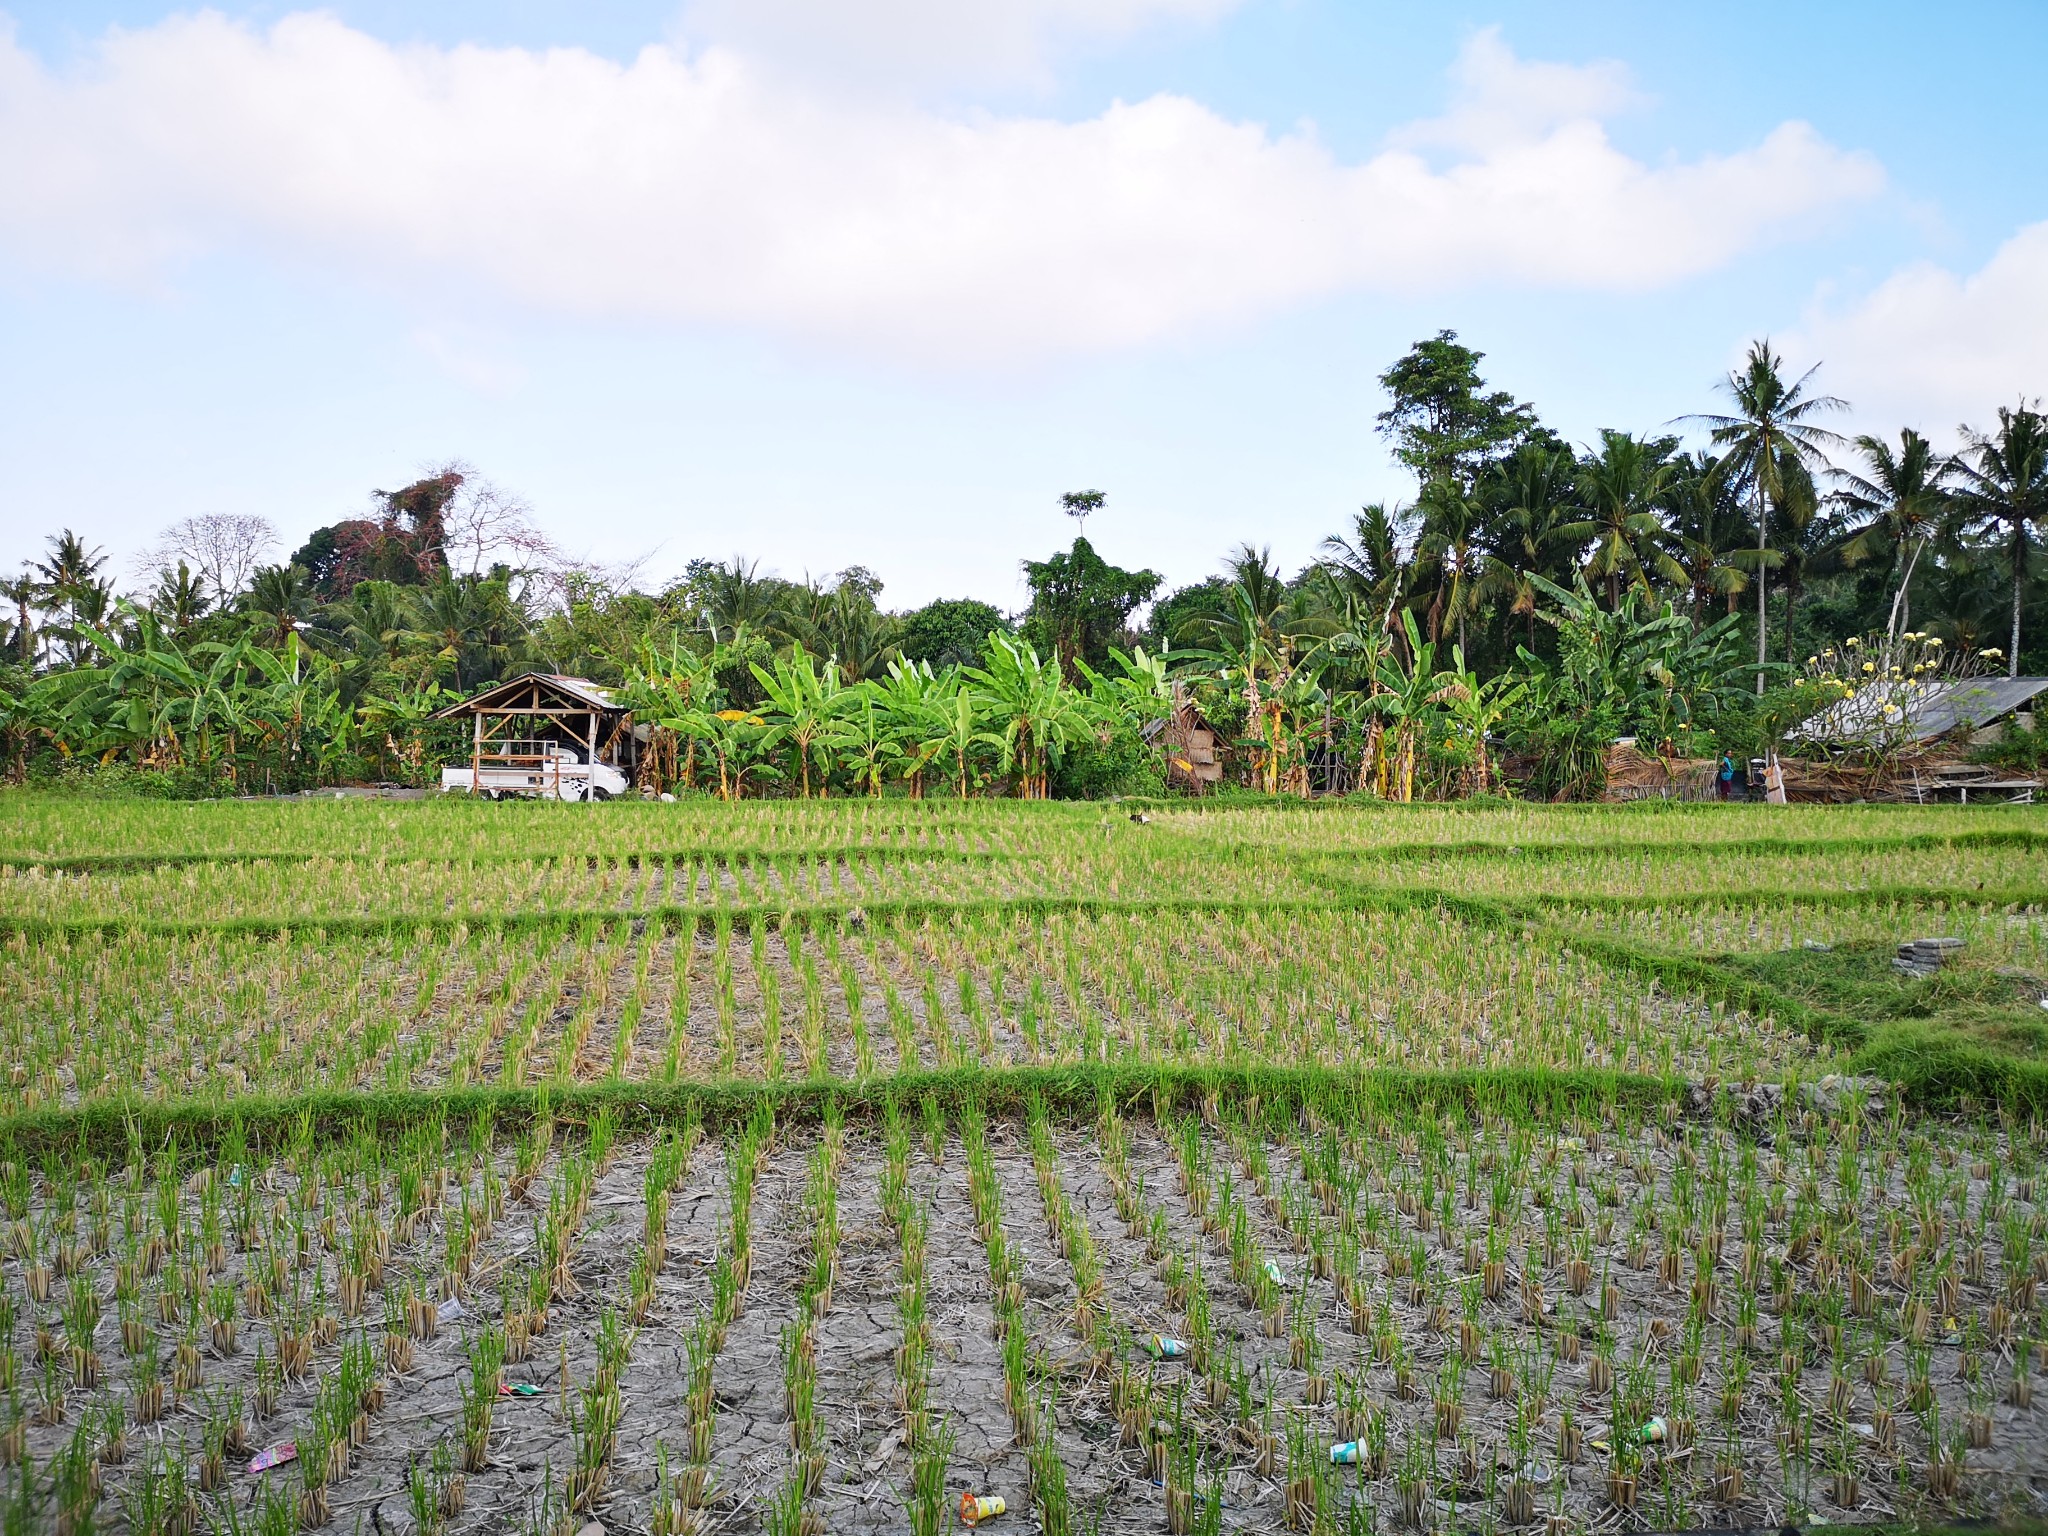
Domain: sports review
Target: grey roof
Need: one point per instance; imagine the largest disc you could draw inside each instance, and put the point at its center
(579, 690)
(1973, 702)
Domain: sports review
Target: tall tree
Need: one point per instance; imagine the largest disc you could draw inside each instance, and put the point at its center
(1079, 505)
(1622, 489)
(950, 632)
(405, 542)
(1080, 603)
(1809, 545)
(2005, 496)
(1900, 501)
(1771, 426)
(23, 591)
(1449, 553)
(1703, 506)
(1532, 516)
(1443, 421)
(222, 548)
(69, 578)
(181, 598)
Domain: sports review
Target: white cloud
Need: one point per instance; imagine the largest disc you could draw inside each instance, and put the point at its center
(896, 42)
(1932, 349)
(699, 188)
(1499, 100)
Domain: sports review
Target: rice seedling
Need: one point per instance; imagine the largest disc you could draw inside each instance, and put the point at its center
(1491, 1290)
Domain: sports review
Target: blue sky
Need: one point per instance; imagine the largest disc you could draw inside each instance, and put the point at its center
(827, 283)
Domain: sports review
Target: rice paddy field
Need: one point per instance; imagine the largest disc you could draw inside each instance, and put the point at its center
(805, 1167)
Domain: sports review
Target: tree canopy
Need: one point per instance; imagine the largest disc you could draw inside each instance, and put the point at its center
(1531, 602)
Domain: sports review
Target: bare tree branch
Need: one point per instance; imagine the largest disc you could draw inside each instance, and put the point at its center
(485, 526)
(223, 547)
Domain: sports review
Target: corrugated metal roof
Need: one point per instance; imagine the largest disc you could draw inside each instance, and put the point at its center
(1973, 702)
(601, 698)
(580, 690)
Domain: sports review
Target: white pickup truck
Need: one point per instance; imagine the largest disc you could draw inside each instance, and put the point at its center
(537, 768)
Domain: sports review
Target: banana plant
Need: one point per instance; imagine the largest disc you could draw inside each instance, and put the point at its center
(1034, 714)
(956, 730)
(1405, 698)
(732, 736)
(803, 705)
(1137, 689)
(866, 744)
(1657, 673)
(395, 721)
(915, 702)
(1476, 708)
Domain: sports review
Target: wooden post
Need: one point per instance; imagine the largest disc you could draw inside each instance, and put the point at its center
(476, 752)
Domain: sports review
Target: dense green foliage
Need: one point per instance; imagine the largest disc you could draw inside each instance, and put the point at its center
(1534, 603)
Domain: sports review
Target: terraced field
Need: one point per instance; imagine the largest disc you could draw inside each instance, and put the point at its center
(806, 1167)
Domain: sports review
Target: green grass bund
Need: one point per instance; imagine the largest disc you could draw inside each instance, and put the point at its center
(1072, 1090)
(728, 854)
(1923, 1042)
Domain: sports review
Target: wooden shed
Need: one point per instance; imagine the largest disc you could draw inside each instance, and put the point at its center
(548, 734)
(1188, 742)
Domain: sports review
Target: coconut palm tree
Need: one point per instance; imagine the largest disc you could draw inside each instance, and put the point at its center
(860, 639)
(22, 591)
(181, 598)
(1901, 499)
(2004, 496)
(1809, 545)
(281, 598)
(1622, 489)
(67, 578)
(1450, 551)
(736, 599)
(476, 624)
(375, 620)
(1254, 639)
(1704, 518)
(1531, 506)
(1772, 419)
(1372, 565)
